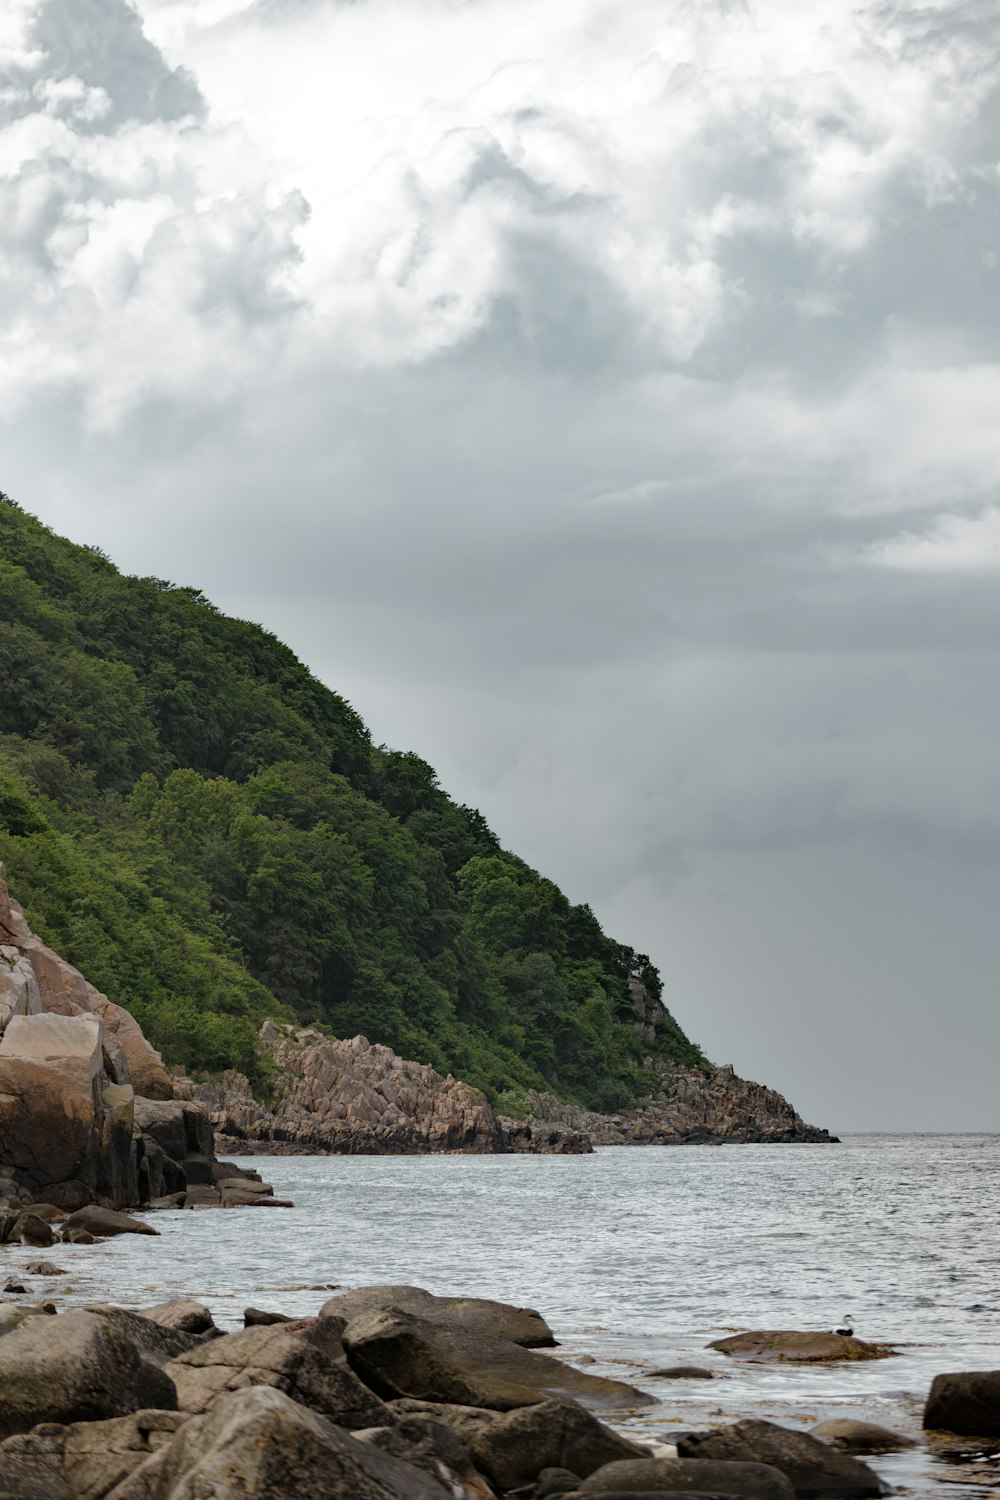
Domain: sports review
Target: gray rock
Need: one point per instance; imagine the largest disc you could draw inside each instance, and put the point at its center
(521, 1325)
(552, 1482)
(698, 1475)
(152, 1339)
(813, 1468)
(74, 1368)
(436, 1449)
(103, 1222)
(398, 1354)
(261, 1443)
(681, 1372)
(181, 1313)
(29, 1229)
(304, 1359)
(75, 1236)
(965, 1402)
(860, 1437)
(84, 1461)
(514, 1448)
(43, 1268)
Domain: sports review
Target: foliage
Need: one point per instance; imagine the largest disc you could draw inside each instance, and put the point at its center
(209, 833)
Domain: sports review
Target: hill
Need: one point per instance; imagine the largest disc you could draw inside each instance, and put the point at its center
(208, 832)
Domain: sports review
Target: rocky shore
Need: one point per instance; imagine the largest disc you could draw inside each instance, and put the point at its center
(389, 1393)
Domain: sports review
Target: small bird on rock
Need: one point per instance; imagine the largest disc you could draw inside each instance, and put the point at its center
(846, 1329)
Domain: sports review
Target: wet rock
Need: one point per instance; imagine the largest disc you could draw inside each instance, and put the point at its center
(258, 1317)
(238, 1199)
(436, 1449)
(44, 1268)
(29, 1229)
(74, 1368)
(813, 1468)
(75, 1236)
(788, 1347)
(513, 1449)
(84, 1461)
(860, 1437)
(261, 1443)
(681, 1372)
(305, 1359)
(104, 1222)
(521, 1325)
(181, 1313)
(752, 1481)
(965, 1402)
(399, 1354)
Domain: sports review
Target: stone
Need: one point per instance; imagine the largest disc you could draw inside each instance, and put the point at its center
(521, 1325)
(104, 1222)
(398, 1354)
(65, 1129)
(72, 1368)
(966, 1402)
(148, 1076)
(29, 1229)
(553, 1482)
(813, 1468)
(431, 1446)
(259, 1442)
(75, 1236)
(13, 1287)
(466, 1421)
(787, 1347)
(181, 1313)
(239, 1199)
(750, 1481)
(152, 1339)
(49, 1212)
(514, 1448)
(860, 1437)
(83, 1461)
(43, 1268)
(257, 1317)
(681, 1372)
(305, 1359)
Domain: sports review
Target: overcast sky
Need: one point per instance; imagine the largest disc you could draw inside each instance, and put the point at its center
(604, 398)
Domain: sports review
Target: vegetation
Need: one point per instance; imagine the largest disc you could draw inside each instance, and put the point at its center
(209, 833)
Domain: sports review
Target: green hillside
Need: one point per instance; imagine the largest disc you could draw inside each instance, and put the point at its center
(208, 832)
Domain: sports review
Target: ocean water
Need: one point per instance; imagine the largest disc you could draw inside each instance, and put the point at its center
(638, 1257)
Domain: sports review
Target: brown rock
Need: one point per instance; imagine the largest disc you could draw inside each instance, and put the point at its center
(104, 1222)
(181, 1313)
(430, 1446)
(813, 1468)
(521, 1325)
(966, 1402)
(860, 1437)
(402, 1355)
(29, 1229)
(689, 1475)
(304, 1359)
(514, 1448)
(83, 1461)
(785, 1347)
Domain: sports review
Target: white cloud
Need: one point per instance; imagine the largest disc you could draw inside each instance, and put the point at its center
(954, 544)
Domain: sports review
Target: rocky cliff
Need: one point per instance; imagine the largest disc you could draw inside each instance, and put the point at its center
(87, 1109)
(353, 1098)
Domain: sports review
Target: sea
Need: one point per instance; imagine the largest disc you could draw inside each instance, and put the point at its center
(638, 1257)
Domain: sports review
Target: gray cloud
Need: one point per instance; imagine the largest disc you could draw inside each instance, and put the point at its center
(606, 404)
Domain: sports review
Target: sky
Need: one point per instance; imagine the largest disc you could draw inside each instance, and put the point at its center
(606, 400)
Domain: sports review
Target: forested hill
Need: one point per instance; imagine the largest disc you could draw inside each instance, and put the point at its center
(207, 831)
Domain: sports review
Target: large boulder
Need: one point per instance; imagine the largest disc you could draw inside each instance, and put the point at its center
(304, 1359)
(813, 1468)
(152, 1339)
(182, 1313)
(65, 1128)
(104, 1223)
(84, 1461)
(74, 1368)
(860, 1437)
(431, 1446)
(521, 1325)
(398, 1354)
(259, 1442)
(671, 1475)
(514, 1447)
(789, 1347)
(965, 1402)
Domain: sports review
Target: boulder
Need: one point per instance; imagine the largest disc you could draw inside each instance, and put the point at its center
(182, 1313)
(236, 1198)
(49, 1212)
(681, 1372)
(305, 1359)
(466, 1421)
(65, 1129)
(83, 1461)
(965, 1402)
(75, 1236)
(29, 1229)
(149, 1077)
(689, 1475)
(149, 1337)
(258, 1317)
(104, 1222)
(74, 1368)
(431, 1446)
(398, 1354)
(259, 1442)
(813, 1468)
(785, 1347)
(860, 1437)
(521, 1325)
(514, 1448)
(43, 1268)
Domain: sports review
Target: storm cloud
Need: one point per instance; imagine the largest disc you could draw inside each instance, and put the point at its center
(605, 399)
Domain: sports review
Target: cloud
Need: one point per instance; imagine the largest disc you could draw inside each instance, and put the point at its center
(954, 544)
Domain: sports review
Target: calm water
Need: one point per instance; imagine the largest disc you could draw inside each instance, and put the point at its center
(639, 1257)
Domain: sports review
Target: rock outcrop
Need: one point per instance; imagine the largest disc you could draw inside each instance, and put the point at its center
(87, 1112)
